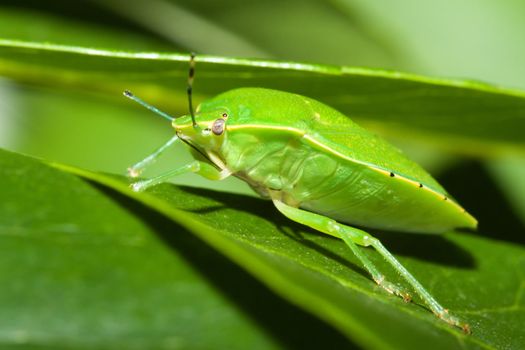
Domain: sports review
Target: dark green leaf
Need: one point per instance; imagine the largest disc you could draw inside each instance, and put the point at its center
(82, 267)
(480, 280)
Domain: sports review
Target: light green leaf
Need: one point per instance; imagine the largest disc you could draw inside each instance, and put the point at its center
(466, 117)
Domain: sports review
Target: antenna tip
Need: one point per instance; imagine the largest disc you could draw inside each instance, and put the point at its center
(128, 93)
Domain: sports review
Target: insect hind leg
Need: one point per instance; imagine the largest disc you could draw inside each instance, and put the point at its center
(432, 303)
(331, 227)
(377, 276)
(354, 237)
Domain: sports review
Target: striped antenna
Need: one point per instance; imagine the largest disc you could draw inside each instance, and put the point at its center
(191, 73)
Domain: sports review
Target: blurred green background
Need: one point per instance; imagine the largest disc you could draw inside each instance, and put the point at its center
(89, 124)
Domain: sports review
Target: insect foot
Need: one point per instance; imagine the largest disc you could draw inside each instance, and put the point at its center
(140, 186)
(136, 186)
(445, 316)
(133, 172)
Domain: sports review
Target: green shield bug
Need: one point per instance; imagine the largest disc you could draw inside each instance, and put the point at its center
(318, 167)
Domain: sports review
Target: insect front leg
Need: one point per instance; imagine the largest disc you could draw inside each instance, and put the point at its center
(136, 169)
(353, 237)
(204, 169)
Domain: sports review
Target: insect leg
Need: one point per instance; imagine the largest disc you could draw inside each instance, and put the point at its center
(432, 303)
(204, 169)
(353, 236)
(136, 169)
(331, 227)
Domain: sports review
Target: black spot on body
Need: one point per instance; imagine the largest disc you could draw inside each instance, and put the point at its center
(420, 185)
(392, 174)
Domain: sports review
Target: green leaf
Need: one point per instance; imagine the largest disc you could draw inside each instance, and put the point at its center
(82, 267)
(70, 123)
(480, 280)
(466, 117)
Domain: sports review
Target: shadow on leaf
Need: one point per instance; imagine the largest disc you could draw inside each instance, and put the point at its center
(477, 192)
(433, 248)
(291, 326)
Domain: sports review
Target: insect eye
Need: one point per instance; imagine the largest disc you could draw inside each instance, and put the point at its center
(218, 126)
(225, 115)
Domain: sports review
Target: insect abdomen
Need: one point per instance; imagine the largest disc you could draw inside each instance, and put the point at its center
(346, 191)
(372, 199)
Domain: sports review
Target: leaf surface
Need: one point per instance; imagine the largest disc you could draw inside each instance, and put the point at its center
(82, 267)
(463, 271)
